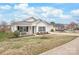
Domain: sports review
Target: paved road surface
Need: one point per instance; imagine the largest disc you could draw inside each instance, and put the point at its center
(70, 48)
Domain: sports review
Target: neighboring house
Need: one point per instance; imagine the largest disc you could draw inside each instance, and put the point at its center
(5, 28)
(31, 26)
(59, 27)
(77, 27)
(71, 26)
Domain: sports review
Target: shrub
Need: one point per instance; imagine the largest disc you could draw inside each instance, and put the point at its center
(52, 30)
(16, 34)
(46, 33)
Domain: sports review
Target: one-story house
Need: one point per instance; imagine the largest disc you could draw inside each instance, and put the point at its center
(31, 26)
(59, 27)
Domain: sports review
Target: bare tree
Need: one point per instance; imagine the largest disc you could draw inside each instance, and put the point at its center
(53, 23)
(3, 26)
(12, 21)
(72, 25)
(3, 23)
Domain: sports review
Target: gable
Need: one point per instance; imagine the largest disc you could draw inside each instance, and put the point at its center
(31, 19)
(41, 24)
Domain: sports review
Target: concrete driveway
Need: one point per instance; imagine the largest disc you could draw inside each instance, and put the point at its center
(70, 48)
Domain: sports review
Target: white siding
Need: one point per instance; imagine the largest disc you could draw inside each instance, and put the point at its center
(13, 28)
(49, 28)
(41, 24)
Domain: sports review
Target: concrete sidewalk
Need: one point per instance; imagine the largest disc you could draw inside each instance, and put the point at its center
(63, 33)
(71, 48)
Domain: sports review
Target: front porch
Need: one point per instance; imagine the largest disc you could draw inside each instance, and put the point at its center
(26, 30)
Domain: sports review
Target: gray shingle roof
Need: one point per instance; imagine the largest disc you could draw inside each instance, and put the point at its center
(26, 22)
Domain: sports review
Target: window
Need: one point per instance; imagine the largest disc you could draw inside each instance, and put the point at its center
(22, 28)
(26, 29)
(41, 29)
(19, 28)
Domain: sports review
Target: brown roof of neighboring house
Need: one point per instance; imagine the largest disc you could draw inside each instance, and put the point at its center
(59, 25)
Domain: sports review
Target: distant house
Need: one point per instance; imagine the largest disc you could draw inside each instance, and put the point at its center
(5, 28)
(71, 26)
(31, 26)
(59, 27)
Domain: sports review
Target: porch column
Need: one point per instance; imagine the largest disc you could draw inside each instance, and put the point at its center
(30, 30)
(36, 29)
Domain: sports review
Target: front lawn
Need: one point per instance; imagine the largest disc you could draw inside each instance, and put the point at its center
(3, 36)
(32, 45)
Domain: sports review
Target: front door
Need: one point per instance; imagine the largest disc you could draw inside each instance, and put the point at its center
(33, 29)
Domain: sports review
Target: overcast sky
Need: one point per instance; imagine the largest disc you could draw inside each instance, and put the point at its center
(57, 12)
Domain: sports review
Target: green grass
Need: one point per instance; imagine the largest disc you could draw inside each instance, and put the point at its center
(32, 45)
(3, 36)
